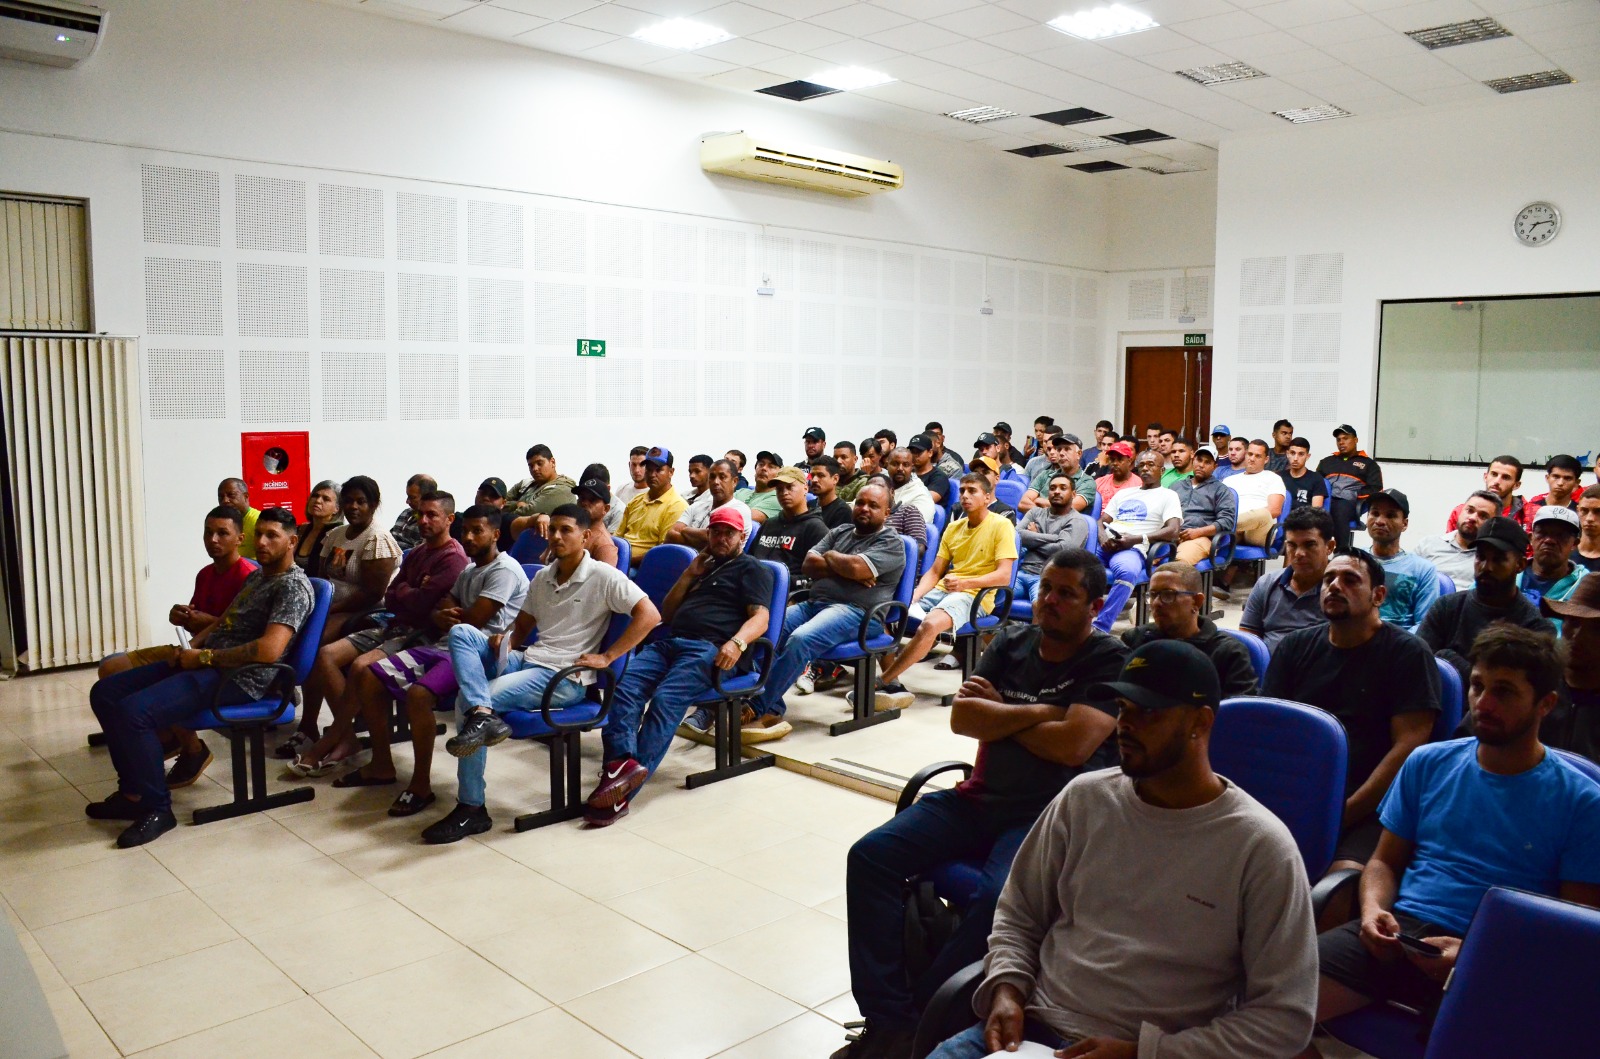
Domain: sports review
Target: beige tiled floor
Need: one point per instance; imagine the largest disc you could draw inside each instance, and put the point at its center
(706, 923)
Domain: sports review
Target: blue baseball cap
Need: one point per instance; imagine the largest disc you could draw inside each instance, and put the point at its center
(660, 455)
(1221, 428)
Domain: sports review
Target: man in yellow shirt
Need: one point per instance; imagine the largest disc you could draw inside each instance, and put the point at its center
(976, 552)
(236, 494)
(650, 514)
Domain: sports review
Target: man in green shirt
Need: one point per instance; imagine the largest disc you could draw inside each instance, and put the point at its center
(1065, 450)
(1182, 462)
(763, 499)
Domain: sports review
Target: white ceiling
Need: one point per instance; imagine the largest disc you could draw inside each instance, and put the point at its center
(952, 54)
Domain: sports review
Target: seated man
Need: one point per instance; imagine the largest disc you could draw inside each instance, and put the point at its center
(851, 570)
(1135, 519)
(989, 467)
(1453, 623)
(908, 488)
(491, 494)
(638, 480)
(1101, 429)
(1411, 581)
(1208, 507)
(1095, 951)
(1026, 705)
(1261, 497)
(737, 458)
(1038, 449)
(1455, 554)
(691, 528)
(815, 443)
(1282, 602)
(486, 595)
(1063, 451)
(1378, 680)
(426, 574)
(762, 499)
(1306, 488)
(1005, 452)
(1180, 458)
(903, 518)
(651, 513)
(1282, 441)
(1503, 478)
(945, 460)
(851, 478)
(976, 552)
(871, 461)
(594, 496)
(1561, 477)
(1552, 574)
(215, 587)
(789, 537)
(1119, 473)
(405, 530)
(937, 482)
(1464, 815)
(1575, 723)
(1176, 602)
(1352, 478)
(529, 503)
(234, 493)
(1047, 529)
(699, 467)
(570, 602)
(1220, 437)
(715, 611)
(1233, 459)
(824, 485)
(133, 706)
(1588, 553)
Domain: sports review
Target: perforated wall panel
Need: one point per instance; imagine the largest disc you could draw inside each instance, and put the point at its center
(1319, 279)
(1088, 298)
(1261, 339)
(725, 322)
(1260, 394)
(773, 323)
(899, 273)
(272, 301)
(933, 336)
(1060, 287)
(1314, 395)
(775, 262)
(182, 207)
(675, 387)
(619, 389)
(727, 258)
(182, 297)
(1191, 293)
(1086, 345)
(816, 267)
(816, 329)
(494, 234)
(618, 246)
(894, 397)
(430, 386)
(1261, 281)
(966, 284)
(858, 331)
(355, 386)
(560, 314)
(274, 387)
(1058, 342)
(1147, 299)
(426, 228)
(269, 213)
(428, 307)
(860, 398)
(349, 221)
(966, 335)
(185, 384)
(674, 252)
(999, 339)
(933, 280)
(725, 388)
(674, 322)
(561, 388)
(494, 309)
(495, 385)
(619, 316)
(1316, 338)
(560, 241)
(1030, 290)
(1030, 341)
(815, 394)
(860, 272)
(896, 333)
(1003, 288)
(352, 303)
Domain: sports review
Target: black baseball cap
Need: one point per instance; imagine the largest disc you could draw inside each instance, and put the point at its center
(1344, 428)
(1162, 674)
(493, 486)
(815, 434)
(1069, 439)
(595, 488)
(770, 457)
(985, 438)
(920, 443)
(1003, 426)
(1397, 498)
(1503, 533)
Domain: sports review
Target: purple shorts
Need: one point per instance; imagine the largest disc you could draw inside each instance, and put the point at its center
(427, 667)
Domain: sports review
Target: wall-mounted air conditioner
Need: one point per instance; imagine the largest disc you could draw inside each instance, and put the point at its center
(815, 169)
(49, 32)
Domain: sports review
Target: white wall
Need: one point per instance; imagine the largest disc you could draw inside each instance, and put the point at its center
(1316, 225)
(312, 94)
(1163, 222)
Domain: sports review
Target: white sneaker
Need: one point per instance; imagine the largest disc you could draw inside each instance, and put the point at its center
(807, 682)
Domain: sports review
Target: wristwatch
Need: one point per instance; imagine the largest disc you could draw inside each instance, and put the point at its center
(743, 647)
(205, 657)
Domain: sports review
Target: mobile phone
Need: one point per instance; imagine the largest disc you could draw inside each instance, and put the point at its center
(1418, 946)
(1113, 534)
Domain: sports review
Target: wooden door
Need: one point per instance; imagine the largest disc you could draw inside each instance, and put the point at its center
(1170, 385)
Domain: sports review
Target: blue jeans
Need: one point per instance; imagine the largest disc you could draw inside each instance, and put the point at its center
(939, 827)
(133, 706)
(1028, 586)
(520, 687)
(968, 1044)
(671, 675)
(810, 630)
(1127, 565)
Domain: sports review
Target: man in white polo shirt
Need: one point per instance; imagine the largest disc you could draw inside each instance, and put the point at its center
(691, 529)
(1261, 496)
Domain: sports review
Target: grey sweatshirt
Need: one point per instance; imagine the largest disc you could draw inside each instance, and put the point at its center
(1187, 930)
(1044, 534)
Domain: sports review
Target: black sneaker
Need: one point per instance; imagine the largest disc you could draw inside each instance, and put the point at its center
(149, 827)
(115, 806)
(188, 768)
(478, 728)
(871, 1041)
(463, 820)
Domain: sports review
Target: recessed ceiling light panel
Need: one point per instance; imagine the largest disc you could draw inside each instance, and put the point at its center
(1074, 116)
(1468, 32)
(683, 34)
(1220, 74)
(1523, 82)
(1097, 167)
(1112, 20)
(1087, 143)
(799, 91)
(1301, 115)
(979, 115)
(850, 78)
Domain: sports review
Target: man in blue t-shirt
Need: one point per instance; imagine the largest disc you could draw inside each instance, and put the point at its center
(1413, 581)
(1499, 809)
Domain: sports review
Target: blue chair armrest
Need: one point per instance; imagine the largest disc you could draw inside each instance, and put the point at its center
(283, 674)
(759, 667)
(1003, 596)
(914, 785)
(608, 686)
(1331, 884)
(881, 613)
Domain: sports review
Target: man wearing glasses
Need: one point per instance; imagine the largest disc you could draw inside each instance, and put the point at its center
(1175, 602)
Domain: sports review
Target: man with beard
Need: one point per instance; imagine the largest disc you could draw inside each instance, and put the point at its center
(762, 498)
(1208, 507)
(1036, 729)
(815, 441)
(691, 527)
(1137, 518)
(1176, 600)
(1048, 528)
(851, 477)
(1379, 681)
(1351, 477)
(824, 485)
(1283, 602)
(1454, 554)
(921, 448)
(1464, 815)
(1453, 623)
(908, 488)
(1153, 910)
(945, 460)
(1575, 725)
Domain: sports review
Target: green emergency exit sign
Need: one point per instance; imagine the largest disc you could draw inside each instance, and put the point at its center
(1194, 339)
(591, 347)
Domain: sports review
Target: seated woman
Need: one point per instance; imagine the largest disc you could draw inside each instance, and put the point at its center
(360, 558)
(322, 515)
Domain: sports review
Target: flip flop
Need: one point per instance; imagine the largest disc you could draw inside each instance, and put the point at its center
(354, 778)
(310, 770)
(409, 804)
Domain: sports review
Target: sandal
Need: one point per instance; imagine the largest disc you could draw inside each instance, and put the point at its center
(291, 747)
(354, 778)
(310, 770)
(409, 804)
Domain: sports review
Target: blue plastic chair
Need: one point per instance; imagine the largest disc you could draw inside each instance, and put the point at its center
(528, 546)
(1010, 490)
(658, 571)
(867, 649)
(1452, 702)
(1259, 656)
(531, 569)
(246, 724)
(624, 553)
(1255, 554)
(931, 552)
(941, 516)
(1447, 584)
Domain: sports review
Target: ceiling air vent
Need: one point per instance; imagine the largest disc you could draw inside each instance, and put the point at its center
(1166, 167)
(815, 169)
(1469, 32)
(979, 115)
(1322, 112)
(1220, 74)
(1523, 82)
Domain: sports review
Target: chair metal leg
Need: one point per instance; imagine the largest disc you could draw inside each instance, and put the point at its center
(730, 760)
(866, 713)
(967, 650)
(250, 770)
(96, 739)
(566, 803)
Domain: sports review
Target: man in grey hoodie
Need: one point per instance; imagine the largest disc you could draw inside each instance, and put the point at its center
(1156, 909)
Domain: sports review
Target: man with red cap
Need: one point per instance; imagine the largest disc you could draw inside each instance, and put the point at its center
(1121, 477)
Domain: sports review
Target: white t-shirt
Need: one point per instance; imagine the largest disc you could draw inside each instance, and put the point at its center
(572, 618)
(1255, 490)
(1138, 512)
(698, 514)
